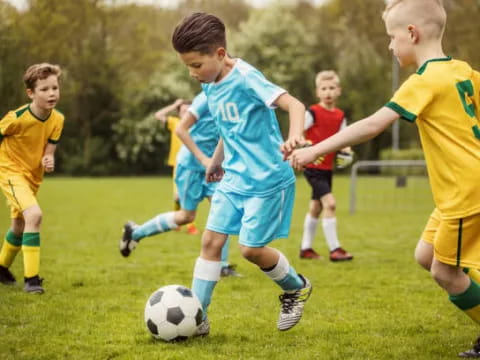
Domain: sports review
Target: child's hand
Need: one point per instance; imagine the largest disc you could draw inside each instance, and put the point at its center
(214, 173)
(292, 143)
(48, 163)
(301, 157)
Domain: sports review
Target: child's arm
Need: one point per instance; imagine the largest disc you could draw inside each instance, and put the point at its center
(296, 114)
(214, 171)
(182, 131)
(161, 114)
(356, 133)
(48, 159)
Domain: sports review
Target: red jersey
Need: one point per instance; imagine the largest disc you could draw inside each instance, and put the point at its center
(325, 124)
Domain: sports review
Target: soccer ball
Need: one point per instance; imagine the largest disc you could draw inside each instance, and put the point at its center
(173, 313)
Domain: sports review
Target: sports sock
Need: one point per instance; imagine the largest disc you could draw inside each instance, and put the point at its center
(330, 230)
(284, 275)
(11, 246)
(159, 224)
(225, 250)
(309, 230)
(31, 254)
(205, 276)
(469, 301)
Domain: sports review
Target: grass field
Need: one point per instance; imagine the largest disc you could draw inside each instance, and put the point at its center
(380, 306)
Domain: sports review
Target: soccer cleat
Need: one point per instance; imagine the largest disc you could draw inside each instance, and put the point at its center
(292, 305)
(203, 329)
(127, 244)
(309, 254)
(33, 285)
(229, 270)
(473, 352)
(340, 255)
(192, 229)
(6, 277)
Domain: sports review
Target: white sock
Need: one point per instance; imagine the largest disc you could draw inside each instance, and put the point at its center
(330, 231)
(309, 230)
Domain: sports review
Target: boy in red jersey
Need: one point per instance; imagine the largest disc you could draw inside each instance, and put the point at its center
(322, 120)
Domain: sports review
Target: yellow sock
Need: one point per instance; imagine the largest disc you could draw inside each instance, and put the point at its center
(11, 247)
(31, 254)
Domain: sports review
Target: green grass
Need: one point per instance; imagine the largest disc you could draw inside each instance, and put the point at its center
(380, 306)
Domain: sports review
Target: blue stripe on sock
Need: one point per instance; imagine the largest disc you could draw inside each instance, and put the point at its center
(291, 281)
(203, 289)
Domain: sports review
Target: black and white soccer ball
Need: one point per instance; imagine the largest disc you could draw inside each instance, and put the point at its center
(173, 313)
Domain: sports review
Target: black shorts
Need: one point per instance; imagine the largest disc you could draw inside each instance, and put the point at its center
(320, 181)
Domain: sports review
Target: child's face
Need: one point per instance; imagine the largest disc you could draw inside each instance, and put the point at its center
(205, 68)
(328, 92)
(46, 93)
(401, 41)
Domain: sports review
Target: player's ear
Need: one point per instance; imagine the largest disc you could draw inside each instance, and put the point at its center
(221, 52)
(30, 93)
(413, 33)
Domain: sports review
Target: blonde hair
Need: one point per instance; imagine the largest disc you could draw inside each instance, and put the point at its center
(429, 14)
(39, 72)
(327, 75)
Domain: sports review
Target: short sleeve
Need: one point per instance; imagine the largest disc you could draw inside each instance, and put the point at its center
(411, 98)
(199, 107)
(8, 124)
(57, 131)
(263, 89)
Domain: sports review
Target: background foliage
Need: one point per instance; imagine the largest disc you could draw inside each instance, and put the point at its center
(119, 66)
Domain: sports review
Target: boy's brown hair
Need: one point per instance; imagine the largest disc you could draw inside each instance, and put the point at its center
(200, 32)
(39, 72)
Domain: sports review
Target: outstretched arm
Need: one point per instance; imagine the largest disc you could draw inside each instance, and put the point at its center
(161, 114)
(48, 159)
(356, 133)
(182, 131)
(296, 114)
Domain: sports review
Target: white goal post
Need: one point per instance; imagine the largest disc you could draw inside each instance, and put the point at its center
(379, 164)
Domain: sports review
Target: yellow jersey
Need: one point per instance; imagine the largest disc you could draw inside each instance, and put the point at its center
(175, 142)
(23, 138)
(442, 98)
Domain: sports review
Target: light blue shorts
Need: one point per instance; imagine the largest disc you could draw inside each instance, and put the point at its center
(257, 220)
(192, 187)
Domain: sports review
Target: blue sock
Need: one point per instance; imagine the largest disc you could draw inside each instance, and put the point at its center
(225, 250)
(159, 224)
(285, 275)
(205, 276)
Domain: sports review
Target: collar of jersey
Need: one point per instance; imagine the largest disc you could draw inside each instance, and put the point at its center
(36, 117)
(422, 68)
(228, 74)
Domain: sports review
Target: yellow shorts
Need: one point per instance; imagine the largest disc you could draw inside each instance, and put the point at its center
(455, 241)
(20, 193)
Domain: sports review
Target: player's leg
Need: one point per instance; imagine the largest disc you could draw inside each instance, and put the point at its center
(424, 248)
(456, 248)
(329, 225)
(10, 248)
(31, 249)
(310, 229)
(223, 219)
(264, 220)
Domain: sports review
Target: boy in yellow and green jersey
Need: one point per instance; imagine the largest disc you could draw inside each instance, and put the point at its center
(442, 98)
(28, 138)
(171, 122)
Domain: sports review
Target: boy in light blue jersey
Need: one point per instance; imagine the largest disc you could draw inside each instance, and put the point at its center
(255, 196)
(199, 133)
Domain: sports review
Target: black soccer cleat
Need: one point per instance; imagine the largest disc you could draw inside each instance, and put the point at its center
(473, 352)
(6, 277)
(127, 244)
(33, 285)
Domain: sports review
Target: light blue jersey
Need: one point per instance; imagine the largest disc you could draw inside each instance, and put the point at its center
(241, 104)
(204, 133)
